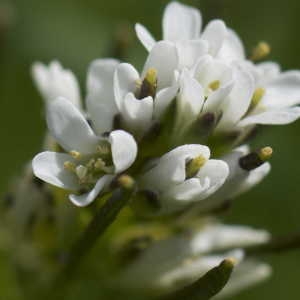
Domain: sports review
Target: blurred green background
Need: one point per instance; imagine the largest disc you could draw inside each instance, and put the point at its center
(76, 32)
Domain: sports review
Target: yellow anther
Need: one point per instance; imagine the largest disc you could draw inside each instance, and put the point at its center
(75, 154)
(229, 262)
(194, 165)
(257, 96)
(99, 164)
(149, 84)
(81, 172)
(151, 76)
(69, 166)
(214, 85)
(91, 163)
(265, 153)
(103, 149)
(262, 50)
(126, 181)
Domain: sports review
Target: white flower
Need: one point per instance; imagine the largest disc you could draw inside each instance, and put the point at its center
(119, 90)
(182, 26)
(90, 161)
(217, 87)
(53, 81)
(182, 176)
(180, 260)
(276, 98)
(239, 180)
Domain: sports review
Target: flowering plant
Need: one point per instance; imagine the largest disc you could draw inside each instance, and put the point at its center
(153, 157)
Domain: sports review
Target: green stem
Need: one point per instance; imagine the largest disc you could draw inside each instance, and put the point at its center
(276, 245)
(103, 218)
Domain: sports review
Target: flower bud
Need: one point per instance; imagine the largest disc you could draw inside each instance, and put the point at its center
(255, 159)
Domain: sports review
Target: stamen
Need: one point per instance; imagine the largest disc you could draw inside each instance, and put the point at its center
(214, 85)
(91, 163)
(69, 166)
(103, 149)
(257, 96)
(126, 181)
(255, 159)
(265, 153)
(149, 84)
(262, 50)
(75, 154)
(99, 164)
(194, 165)
(81, 172)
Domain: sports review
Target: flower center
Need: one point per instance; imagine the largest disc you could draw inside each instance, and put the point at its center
(89, 168)
(194, 165)
(149, 85)
(211, 87)
(256, 98)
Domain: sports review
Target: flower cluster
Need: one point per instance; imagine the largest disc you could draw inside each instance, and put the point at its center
(178, 128)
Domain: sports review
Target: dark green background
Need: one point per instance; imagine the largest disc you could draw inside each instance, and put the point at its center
(76, 32)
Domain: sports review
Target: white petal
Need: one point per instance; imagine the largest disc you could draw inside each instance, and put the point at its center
(217, 171)
(49, 166)
(269, 70)
(273, 117)
(53, 81)
(232, 48)
(283, 91)
(190, 51)
(246, 274)
(144, 36)
(164, 58)
(69, 127)
(183, 193)
(123, 148)
(214, 100)
(209, 69)
(189, 101)
(238, 101)
(170, 168)
(100, 97)
(254, 178)
(214, 33)
(219, 237)
(137, 114)
(125, 81)
(189, 272)
(191, 96)
(88, 198)
(163, 99)
(181, 22)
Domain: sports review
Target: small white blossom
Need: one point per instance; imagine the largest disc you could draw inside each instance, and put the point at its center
(183, 176)
(54, 81)
(182, 26)
(119, 90)
(156, 267)
(276, 98)
(90, 161)
(239, 180)
(217, 87)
